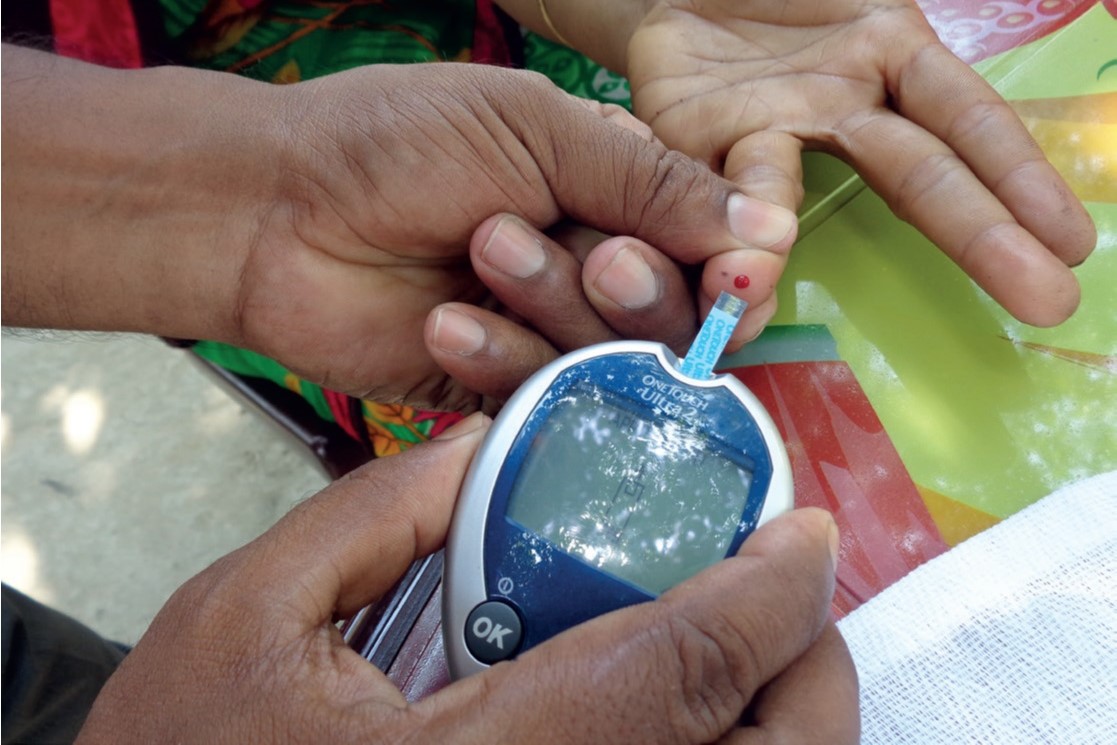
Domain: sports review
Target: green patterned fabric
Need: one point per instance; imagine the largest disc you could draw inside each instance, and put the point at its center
(574, 72)
(244, 362)
(286, 41)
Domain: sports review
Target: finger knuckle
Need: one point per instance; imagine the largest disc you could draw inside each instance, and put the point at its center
(978, 117)
(766, 178)
(653, 195)
(515, 88)
(536, 80)
(929, 177)
(994, 121)
(211, 605)
(973, 254)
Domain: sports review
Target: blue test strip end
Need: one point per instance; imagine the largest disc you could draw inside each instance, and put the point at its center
(708, 346)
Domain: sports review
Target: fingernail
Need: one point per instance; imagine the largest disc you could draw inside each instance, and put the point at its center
(628, 281)
(471, 423)
(457, 333)
(758, 223)
(835, 538)
(513, 250)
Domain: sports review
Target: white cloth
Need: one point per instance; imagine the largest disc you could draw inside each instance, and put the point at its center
(1010, 637)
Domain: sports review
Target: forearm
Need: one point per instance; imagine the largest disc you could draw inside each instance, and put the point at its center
(130, 197)
(600, 30)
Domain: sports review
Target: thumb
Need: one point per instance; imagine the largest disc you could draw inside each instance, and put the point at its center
(351, 542)
(680, 669)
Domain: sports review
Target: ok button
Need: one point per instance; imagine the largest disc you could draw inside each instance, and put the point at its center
(493, 632)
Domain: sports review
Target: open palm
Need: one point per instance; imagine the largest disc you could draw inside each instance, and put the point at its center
(746, 86)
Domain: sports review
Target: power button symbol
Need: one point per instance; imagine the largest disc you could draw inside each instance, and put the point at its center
(493, 632)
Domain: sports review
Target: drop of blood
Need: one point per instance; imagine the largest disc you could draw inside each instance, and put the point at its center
(741, 281)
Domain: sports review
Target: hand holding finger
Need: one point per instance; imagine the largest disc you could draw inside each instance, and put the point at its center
(625, 289)
(356, 232)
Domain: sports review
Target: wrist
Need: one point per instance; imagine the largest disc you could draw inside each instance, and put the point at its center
(133, 196)
(599, 30)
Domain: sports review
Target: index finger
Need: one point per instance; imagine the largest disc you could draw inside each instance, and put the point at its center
(679, 669)
(949, 99)
(963, 169)
(927, 184)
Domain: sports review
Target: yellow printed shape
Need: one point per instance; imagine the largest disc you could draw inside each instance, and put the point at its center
(955, 521)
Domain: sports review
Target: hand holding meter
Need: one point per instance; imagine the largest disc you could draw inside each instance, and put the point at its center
(612, 474)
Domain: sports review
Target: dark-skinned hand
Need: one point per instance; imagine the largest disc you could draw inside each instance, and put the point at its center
(248, 651)
(321, 223)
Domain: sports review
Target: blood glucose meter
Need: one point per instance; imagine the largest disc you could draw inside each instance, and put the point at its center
(610, 476)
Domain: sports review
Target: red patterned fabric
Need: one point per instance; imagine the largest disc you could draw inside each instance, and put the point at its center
(489, 46)
(339, 406)
(100, 31)
(977, 29)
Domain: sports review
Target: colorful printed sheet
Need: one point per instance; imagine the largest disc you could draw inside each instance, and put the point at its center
(916, 409)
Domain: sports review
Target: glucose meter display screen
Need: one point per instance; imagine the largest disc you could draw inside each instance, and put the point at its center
(651, 501)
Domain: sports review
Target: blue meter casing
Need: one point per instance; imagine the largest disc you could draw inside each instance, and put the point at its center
(607, 478)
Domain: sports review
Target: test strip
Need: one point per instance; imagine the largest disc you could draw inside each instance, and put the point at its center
(712, 337)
